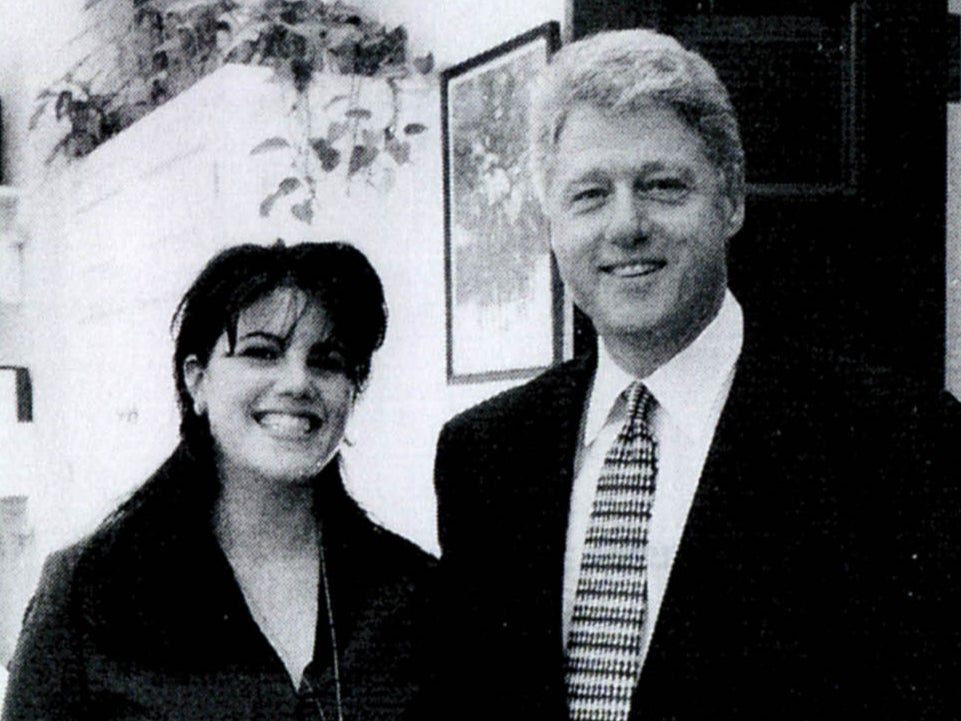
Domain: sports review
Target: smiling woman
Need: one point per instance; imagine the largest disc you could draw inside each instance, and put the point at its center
(241, 581)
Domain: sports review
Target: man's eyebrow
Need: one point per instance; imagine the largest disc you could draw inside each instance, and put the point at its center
(594, 174)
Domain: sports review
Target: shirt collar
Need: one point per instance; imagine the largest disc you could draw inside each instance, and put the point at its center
(687, 386)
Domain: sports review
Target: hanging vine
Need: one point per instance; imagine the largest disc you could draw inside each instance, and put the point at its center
(166, 46)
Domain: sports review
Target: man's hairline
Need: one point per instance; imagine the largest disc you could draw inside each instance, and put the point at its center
(546, 171)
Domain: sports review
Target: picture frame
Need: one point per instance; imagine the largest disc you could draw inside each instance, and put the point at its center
(17, 394)
(505, 307)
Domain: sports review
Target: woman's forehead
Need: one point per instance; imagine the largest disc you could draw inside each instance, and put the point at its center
(281, 312)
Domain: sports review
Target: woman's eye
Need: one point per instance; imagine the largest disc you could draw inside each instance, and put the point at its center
(330, 362)
(260, 352)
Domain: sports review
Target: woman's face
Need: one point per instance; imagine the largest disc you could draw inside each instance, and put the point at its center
(278, 401)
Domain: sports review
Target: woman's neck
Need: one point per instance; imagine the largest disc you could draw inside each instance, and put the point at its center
(258, 518)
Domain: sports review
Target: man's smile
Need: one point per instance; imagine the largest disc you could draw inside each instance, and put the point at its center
(633, 269)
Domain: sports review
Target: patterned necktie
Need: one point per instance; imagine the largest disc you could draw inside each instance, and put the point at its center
(610, 605)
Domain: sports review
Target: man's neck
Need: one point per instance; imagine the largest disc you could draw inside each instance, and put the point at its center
(640, 354)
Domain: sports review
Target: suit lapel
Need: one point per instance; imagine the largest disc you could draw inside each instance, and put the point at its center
(548, 438)
(679, 648)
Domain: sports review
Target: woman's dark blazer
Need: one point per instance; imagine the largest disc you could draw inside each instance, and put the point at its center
(144, 620)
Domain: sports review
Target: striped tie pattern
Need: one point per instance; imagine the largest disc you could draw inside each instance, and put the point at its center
(610, 605)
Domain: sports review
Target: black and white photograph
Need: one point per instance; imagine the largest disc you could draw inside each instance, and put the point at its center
(579, 360)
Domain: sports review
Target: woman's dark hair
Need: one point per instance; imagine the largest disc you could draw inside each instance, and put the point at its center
(337, 276)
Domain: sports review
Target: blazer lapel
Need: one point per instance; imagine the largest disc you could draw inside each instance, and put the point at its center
(547, 441)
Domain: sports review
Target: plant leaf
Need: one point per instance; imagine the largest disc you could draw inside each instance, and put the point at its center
(362, 113)
(267, 204)
(336, 131)
(275, 143)
(369, 137)
(37, 114)
(64, 101)
(303, 211)
(61, 146)
(334, 100)
(399, 150)
(288, 185)
(361, 157)
(414, 128)
(425, 63)
(329, 156)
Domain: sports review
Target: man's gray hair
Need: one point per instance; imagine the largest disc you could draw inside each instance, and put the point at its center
(622, 71)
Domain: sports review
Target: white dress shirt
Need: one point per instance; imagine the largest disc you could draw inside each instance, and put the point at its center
(690, 390)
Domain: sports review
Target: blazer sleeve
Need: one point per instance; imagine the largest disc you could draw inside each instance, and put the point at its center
(46, 676)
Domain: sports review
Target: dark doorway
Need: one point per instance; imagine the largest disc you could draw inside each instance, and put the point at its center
(842, 106)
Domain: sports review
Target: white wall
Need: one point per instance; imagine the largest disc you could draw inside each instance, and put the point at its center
(107, 259)
(85, 221)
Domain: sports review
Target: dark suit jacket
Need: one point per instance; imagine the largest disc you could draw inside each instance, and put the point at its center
(807, 584)
(144, 620)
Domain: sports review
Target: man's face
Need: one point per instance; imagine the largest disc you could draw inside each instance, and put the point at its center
(639, 223)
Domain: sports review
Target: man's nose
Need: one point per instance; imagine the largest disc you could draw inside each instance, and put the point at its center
(629, 223)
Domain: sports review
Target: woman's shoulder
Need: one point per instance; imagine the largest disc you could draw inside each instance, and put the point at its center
(148, 534)
(384, 547)
(357, 532)
(400, 551)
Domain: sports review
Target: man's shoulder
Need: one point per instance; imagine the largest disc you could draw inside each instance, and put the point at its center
(820, 393)
(549, 392)
(790, 366)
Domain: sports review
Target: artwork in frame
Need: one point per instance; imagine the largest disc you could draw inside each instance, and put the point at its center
(505, 306)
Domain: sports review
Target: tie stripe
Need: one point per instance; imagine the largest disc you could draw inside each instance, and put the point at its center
(610, 605)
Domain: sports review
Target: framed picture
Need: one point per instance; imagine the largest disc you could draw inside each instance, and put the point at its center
(504, 298)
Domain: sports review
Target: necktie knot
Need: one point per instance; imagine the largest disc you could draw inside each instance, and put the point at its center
(640, 409)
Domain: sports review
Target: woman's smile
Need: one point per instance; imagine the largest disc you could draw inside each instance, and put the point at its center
(288, 425)
(278, 398)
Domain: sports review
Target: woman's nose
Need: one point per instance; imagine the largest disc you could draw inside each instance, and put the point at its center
(295, 377)
(628, 223)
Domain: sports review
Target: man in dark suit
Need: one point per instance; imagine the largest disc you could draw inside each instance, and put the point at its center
(700, 519)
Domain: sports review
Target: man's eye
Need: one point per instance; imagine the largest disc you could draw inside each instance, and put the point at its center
(587, 196)
(667, 188)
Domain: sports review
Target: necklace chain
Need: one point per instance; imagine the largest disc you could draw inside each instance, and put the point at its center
(330, 624)
(265, 621)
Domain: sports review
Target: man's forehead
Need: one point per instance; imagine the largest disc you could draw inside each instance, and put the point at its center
(651, 139)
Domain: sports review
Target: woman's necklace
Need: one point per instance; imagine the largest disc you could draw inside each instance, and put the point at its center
(325, 584)
(264, 621)
(330, 623)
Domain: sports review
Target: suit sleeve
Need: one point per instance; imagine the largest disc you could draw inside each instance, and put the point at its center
(46, 677)
(444, 478)
(451, 634)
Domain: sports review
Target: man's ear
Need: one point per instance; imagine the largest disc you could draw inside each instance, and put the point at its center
(735, 216)
(194, 374)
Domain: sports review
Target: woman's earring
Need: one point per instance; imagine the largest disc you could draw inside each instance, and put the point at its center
(198, 408)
